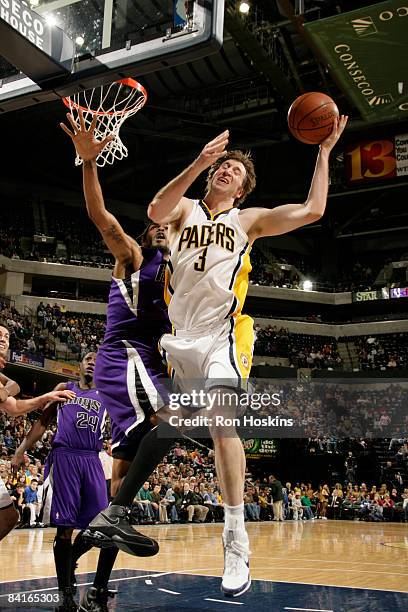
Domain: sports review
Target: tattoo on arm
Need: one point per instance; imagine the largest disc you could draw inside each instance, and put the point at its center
(113, 233)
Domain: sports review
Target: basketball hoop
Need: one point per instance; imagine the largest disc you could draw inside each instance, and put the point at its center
(112, 104)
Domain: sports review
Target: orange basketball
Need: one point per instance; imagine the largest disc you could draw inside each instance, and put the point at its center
(311, 117)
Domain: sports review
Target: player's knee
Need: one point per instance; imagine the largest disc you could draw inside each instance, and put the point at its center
(164, 429)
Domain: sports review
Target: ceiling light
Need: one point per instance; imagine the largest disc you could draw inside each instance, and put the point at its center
(244, 8)
(50, 19)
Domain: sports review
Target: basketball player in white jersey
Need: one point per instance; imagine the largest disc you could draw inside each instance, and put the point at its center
(207, 282)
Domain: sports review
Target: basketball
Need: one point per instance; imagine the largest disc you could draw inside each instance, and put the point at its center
(311, 117)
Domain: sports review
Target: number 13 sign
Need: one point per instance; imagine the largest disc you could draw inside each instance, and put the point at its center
(371, 160)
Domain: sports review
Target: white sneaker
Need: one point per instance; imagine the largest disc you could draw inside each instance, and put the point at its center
(236, 579)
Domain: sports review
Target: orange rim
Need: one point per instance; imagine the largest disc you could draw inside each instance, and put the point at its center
(129, 82)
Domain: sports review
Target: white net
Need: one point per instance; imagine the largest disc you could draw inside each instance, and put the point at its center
(112, 104)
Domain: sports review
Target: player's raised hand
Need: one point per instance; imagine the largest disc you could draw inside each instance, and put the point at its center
(17, 460)
(213, 150)
(338, 128)
(86, 145)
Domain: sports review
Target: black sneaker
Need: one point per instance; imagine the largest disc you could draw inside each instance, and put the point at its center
(111, 528)
(96, 600)
(66, 601)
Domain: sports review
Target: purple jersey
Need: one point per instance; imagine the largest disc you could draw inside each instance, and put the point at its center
(80, 421)
(136, 306)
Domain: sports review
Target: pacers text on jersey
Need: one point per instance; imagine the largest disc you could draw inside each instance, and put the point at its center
(196, 236)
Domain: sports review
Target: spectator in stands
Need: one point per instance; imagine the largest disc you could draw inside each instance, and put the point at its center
(396, 441)
(210, 500)
(307, 506)
(351, 466)
(31, 501)
(323, 498)
(251, 509)
(383, 490)
(8, 439)
(169, 501)
(143, 501)
(356, 493)
(277, 498)
(158, 507)
(387, 474)
(31, 345)
(375, 509)
(395, 496)
(32, 473)
(265, 504)
(388, 507)
(402, 455)
(399, 480)
(296, 504)
(17, 496)
(189, 504)
(373, 492)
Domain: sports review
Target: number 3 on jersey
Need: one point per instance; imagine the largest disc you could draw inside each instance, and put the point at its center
(199, 265)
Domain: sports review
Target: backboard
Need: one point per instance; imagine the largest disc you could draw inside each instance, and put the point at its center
(111, 39)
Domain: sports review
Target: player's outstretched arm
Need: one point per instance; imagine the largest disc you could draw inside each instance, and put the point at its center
(282, 219)
(15, 407)
(36, 432)
(169, 204)
(122, 247)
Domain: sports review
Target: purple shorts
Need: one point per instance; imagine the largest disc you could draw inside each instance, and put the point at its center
(133, 383)
(74, 488)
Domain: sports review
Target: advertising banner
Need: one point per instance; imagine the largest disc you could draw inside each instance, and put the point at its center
(369, 296)
(257, 448)
(61, 367)
(365, 51)
(27, 359)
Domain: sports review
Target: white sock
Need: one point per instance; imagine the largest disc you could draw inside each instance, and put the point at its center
(234, 521)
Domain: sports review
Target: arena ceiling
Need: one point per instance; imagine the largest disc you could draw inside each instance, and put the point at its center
(265, 62)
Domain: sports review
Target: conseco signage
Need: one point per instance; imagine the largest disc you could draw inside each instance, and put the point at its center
(355, 45)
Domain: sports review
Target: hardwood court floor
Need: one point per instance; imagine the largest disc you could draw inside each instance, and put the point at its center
(336, 553)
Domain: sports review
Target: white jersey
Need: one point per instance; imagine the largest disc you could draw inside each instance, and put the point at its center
(207, 275)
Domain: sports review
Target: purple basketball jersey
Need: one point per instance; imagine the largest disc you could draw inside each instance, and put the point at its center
(136, 307)
(128, 368)
(81, 421)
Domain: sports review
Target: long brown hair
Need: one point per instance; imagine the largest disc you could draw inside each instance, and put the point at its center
(250, 177)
